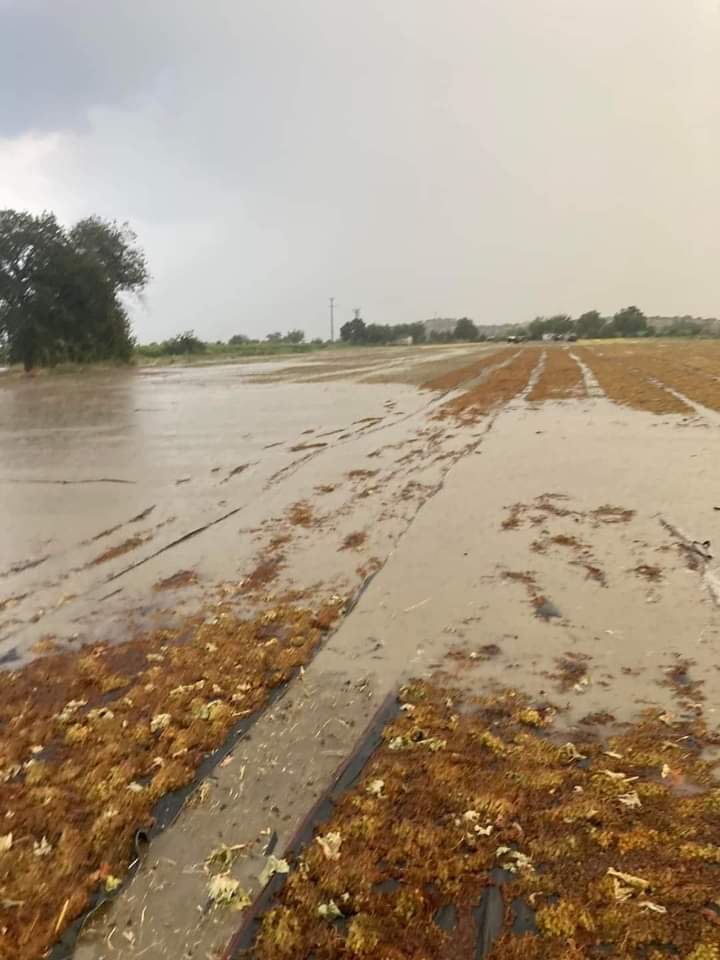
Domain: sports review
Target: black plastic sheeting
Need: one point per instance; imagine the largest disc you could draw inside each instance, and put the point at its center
(165, 812)
(446, 917)
(169, 807)
(489, 914)
(490, 917)
(346, 776)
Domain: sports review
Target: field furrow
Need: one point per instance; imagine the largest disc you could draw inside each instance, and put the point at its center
(469, 816)
(624, 385)
(471, 371)
(560, 379)
(500, 386)
(681, 374)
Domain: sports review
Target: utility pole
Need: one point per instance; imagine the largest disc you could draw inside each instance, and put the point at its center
(332, 319)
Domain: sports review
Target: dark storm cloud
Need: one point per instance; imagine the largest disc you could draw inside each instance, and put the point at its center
(60, 58)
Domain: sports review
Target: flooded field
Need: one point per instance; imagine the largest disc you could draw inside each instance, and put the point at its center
(212, 579)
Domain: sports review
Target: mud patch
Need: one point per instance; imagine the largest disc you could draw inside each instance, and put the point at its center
(10, 602)
(362, 474)
(301, 514)
(468, 656)
(535, 513)
(22, 565)
(369, 568)
(610, 514)
(592, 571)
(132, 543)
(307, 446)
(265, 573)
(354, 541)
(648, 572)
(571, 671)
(515, 518)
(271, 561)
(677, 677)
(236, 471)
(326, 488)
(183, 578)
(542, 606)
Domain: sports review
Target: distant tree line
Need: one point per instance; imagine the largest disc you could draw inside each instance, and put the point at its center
(188, 343)
(358, 332)
(292, 336)
(355, 332)
(628, 322)
(61, 289)
(684, 326)
(465, 331)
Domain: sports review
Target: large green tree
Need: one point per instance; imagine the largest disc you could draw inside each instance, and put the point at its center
(61, 291)
(465, 329)
(590, 325)
(559, 323)
(354, 331)
(630, 322)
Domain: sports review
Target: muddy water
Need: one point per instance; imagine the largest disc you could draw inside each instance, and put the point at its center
(111, 484)
(579, 506)
(569, 497)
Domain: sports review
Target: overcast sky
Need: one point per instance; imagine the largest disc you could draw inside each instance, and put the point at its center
(495, 158)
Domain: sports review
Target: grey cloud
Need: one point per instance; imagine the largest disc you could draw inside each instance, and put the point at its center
(495, 159)
(60, 58)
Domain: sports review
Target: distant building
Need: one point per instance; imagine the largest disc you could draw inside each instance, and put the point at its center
(440, 325)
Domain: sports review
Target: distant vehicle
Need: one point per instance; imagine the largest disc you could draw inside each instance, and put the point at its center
(571, 337)
(513, 339)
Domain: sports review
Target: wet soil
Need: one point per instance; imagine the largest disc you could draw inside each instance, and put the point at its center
(560, 379)
(500, 385)
(497, 485)
(471, 808)
(91, 743)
